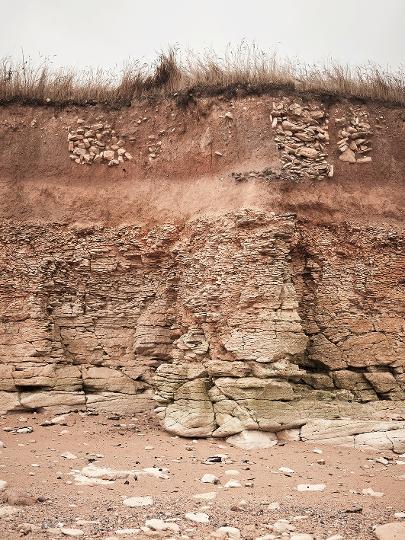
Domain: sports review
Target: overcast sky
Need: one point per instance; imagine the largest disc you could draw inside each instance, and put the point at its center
(106, 33)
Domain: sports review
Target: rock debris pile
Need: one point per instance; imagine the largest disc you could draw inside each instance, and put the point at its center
(96, 143)
(355, 138)
(302, 136)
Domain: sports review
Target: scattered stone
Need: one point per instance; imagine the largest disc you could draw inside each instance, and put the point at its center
(197, 517)
(127, 532)
(27, 429)
(60, 420)
(28, 528)
(134, 502)
(7, 510)
(156, 524)
(219, 458)
(228, 533)
(72, 532)
(311, 487)
(209, 496)
(209, 479)
(286, 471)
(68, 455)
(372, 493)
(232, 484)
(232, 472)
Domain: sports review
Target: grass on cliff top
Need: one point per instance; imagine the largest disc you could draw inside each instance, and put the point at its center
(245, 70)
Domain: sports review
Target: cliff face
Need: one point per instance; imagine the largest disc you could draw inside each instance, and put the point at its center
(268, 300)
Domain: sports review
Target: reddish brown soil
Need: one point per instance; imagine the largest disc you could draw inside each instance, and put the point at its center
(345, 474)
(39, 182)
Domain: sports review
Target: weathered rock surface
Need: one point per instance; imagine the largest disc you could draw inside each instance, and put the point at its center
(241, 323)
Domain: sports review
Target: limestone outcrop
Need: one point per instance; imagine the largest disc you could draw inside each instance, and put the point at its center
(244, 322)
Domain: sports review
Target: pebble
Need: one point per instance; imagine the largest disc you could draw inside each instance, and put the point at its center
(3, 485)
(160, 525)
(68, 455)
(311, 487)
(209, 479)
(287, 471)
(229, 533)
(372, 493)
(211, 495)
(197, 517)
(134, 502)
(232, 484)
(7, 510)
(25, 430)
(72, 532)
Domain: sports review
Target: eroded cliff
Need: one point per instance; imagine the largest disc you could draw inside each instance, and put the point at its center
(267, 300)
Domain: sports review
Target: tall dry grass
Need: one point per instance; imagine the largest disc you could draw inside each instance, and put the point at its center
(245, 67)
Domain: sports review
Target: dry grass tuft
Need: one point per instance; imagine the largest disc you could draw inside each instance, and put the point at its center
(245, 68)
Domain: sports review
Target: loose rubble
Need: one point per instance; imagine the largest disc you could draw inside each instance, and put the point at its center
(355, 134)
(96, 143)
(302, 137)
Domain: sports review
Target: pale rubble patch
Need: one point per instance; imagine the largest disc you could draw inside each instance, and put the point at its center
(135, 502)
(197, 517)
(94, 143)
(311, 487)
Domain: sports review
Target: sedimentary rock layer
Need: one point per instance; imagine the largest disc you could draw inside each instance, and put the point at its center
(246, 321)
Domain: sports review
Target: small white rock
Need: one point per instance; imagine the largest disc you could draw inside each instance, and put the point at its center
(311, 487)
(211, 495)
(232, 484)
(286, 470)
(161, 525)
(229, 533)
(135, 502)
(68, 455)
(198, 517)
(372, 493)
(72, 532)
(209, 479)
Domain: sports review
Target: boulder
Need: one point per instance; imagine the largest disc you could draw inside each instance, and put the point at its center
(249, 440)
(390, 531)
(348, 155)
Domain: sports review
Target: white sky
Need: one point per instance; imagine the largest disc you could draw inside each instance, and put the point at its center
(106, 33)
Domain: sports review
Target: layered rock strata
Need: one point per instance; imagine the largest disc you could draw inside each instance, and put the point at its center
(249, 321)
